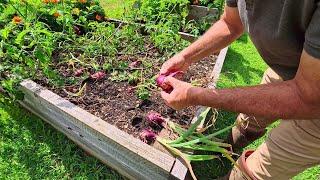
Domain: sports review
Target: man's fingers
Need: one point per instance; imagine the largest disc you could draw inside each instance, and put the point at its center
(165, 95)
(171, 81)
(164, 70)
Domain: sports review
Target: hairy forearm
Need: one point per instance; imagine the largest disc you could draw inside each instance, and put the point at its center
(220, 35)
(278, 100)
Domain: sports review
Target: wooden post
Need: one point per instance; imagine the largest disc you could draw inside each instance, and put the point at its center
(215, 74)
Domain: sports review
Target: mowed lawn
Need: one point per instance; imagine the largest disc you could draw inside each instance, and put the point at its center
(32, 149)
(116, 8)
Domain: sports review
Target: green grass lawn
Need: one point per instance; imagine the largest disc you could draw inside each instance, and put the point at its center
(32, 149)
(116, 8)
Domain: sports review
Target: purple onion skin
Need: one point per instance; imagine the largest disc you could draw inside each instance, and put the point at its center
(161, 78)
(164, 86)
(156, 118)
(98, 76)
(78, 72)
(148, 136)
(134, 64)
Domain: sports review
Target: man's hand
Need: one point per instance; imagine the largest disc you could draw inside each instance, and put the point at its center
(298, 98)
(176, 63)
(181, 96)
(220, 35)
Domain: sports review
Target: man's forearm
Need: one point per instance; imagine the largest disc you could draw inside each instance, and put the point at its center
(220, 35)
(278, 100)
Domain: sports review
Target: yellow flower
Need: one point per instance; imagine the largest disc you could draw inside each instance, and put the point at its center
(76, 11)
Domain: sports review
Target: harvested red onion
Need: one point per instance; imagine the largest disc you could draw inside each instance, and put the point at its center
(134, 64)
(155, 118)
(131, 89)
(161, 78)
(98, 76)
(78, 72)
(148, 136)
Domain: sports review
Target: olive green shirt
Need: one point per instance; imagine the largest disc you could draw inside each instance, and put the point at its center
(281, 29)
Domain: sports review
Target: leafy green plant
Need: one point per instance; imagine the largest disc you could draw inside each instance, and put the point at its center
(31, 32)
(40, 37)
(172, 12)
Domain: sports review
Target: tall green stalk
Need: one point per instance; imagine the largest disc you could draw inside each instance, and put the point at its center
(203, 139)
(193, 127)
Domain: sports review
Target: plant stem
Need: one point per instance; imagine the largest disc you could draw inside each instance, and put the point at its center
(179, 154)
(193, 127)
(203, 139)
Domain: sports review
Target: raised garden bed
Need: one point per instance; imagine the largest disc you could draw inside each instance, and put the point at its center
(95, 81)
(114, 147)
(197, 13)
(202, 15)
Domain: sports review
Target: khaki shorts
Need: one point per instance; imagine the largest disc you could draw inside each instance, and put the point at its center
(290, 148)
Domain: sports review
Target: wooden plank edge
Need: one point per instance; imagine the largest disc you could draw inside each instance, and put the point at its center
(199, 13)
(72, 138)
(215, 74)
(179, 170)
(187, 36)
(203, 7)
(35, 92)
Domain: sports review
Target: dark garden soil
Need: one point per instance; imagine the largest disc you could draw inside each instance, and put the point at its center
(117, 102)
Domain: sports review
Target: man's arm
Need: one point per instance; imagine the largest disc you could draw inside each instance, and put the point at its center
(221, 34)
(295, 99)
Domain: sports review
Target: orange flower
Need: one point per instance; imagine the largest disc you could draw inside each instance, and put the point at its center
(46, 1)
(83, 1)
(55, 1)
(17, 20)
(56, 14)
(98, 17)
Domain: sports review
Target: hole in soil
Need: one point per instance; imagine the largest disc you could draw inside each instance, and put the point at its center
(74, 102)
(136, 121)
(185, 119)
(144, 104)
(130, 108)
(170, 111)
